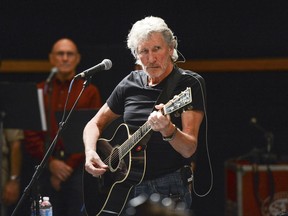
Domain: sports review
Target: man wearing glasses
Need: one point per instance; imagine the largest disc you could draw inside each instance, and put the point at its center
(62, 179)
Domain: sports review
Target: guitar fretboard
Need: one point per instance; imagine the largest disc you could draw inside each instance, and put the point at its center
(134, 139)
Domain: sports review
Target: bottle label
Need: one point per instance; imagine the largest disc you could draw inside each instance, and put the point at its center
(46, 212)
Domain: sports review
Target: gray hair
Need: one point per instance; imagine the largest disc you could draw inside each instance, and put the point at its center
(142, 30)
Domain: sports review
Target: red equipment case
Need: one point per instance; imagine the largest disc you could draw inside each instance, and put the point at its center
(253, 190)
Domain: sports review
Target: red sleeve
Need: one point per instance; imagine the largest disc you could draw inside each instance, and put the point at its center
(94, 97)
(34, 143)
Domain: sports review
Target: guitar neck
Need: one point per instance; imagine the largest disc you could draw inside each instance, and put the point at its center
(178, 102)
(134, 139)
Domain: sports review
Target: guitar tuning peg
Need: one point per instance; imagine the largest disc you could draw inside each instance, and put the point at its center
(189, 107)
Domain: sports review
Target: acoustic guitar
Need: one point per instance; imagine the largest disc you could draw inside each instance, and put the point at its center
(125, 156)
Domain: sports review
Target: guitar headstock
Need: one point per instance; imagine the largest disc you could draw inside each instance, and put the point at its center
(178, 101)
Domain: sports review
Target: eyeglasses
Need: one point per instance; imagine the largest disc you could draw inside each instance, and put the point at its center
(61, 54)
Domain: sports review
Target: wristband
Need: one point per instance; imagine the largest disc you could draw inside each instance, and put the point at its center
(170, 138)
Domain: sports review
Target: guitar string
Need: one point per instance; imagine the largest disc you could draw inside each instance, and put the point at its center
(127, 146)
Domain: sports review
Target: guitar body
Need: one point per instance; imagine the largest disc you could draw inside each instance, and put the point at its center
(108, 194)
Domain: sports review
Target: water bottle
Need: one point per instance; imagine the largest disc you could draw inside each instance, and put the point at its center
(46, 207)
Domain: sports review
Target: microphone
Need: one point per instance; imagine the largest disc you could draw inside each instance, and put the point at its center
(254, 122)
(106, 64)
(54, 70)
(268, 135)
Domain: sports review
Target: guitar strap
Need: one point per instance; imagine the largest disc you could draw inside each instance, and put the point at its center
(169, 86)
(165, 95)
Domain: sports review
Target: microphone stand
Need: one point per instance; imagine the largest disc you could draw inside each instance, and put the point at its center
(49, 152)
(267, 155)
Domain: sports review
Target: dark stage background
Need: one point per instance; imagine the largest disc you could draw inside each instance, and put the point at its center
(205, 30)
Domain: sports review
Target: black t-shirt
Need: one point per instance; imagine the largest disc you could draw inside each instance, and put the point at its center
(134, 100)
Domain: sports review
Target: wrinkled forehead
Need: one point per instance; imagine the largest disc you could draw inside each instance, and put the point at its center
(152, 39)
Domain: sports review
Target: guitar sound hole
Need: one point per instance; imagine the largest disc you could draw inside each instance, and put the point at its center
(114, 160)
